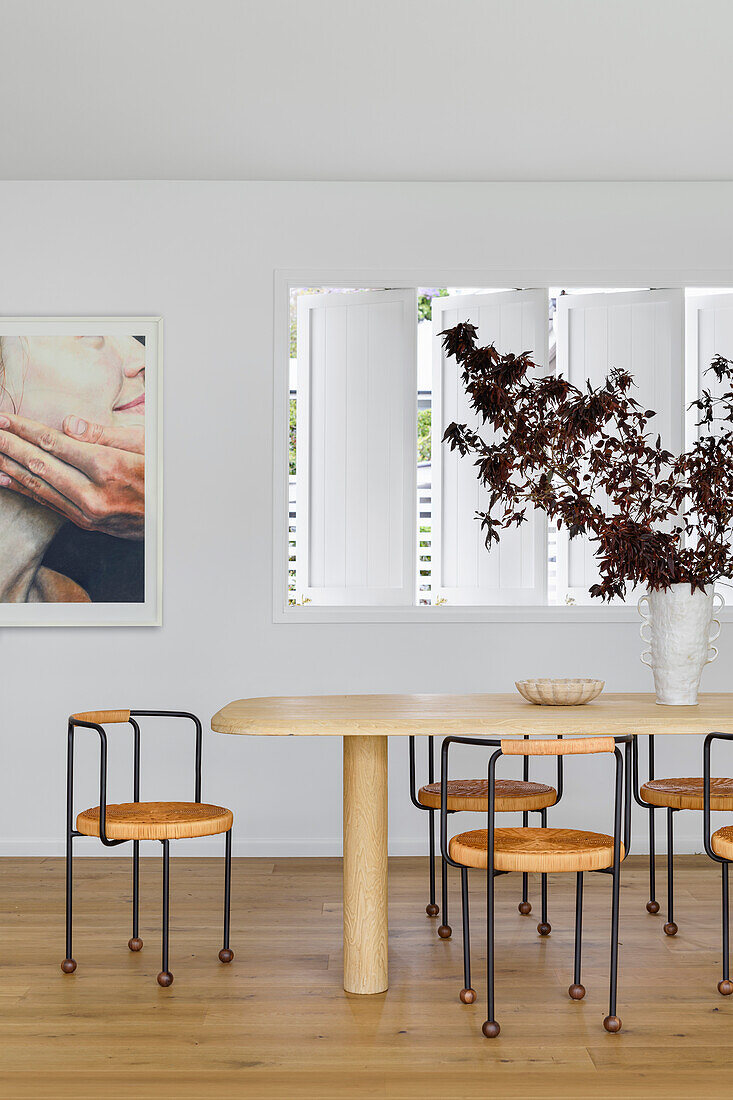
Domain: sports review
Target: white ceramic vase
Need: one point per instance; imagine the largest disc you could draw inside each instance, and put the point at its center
(677, 628)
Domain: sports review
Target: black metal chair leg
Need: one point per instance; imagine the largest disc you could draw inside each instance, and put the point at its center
(725, 986)
(544, 927)
(670, 927)
(490, 1027)
(525, 905)
(467, 994)
(445, 931)
(652, 906)
(135, 944)
(612, 1023)
(165, 978)
(226, 955)
(576, 990)
(69, 964)
(431, 908)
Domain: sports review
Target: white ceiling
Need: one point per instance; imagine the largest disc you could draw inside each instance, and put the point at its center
(366, 89)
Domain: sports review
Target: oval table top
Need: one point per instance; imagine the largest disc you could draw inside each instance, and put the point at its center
(487, 715)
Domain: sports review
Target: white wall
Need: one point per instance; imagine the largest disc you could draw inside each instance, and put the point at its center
(203, 256)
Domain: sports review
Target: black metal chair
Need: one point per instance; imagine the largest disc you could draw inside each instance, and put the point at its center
(512, 796)
(673, 795)
(135, 821)
(719, 847)
(530, 849)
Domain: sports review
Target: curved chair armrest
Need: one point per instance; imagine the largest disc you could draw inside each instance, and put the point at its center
(76, 721)
(431, 769)
(622, 801)
(199, 738)
(108, 717)
(556, 747)
(482, 742)
(706, 827)
(635, 754)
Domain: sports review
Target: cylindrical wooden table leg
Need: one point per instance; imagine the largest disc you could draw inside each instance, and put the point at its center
(365, 864)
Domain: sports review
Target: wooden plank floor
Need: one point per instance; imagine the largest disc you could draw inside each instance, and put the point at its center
(276, 1024)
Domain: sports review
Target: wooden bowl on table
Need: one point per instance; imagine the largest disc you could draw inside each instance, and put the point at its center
(559, 693)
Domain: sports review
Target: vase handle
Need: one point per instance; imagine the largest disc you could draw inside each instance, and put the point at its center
(645, 612)
(715, 622)
(645, 616)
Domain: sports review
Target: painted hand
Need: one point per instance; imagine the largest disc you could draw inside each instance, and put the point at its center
(92, 475)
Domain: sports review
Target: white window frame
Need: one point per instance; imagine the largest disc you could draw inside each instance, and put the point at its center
(405, 278)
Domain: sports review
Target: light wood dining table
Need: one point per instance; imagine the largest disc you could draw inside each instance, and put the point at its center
(366, 721)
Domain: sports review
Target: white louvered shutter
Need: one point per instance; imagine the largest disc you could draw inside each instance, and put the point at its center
(641, 332)
(464, 571)
(356, 447)
(709, 332)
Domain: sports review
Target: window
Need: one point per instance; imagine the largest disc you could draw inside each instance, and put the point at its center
(380, 516)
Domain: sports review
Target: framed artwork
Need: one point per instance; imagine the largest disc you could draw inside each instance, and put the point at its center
(80, 471)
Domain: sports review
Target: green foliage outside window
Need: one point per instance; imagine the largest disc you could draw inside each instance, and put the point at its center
(294, 315)
(423, 435)
(292, 436)
(425, 302)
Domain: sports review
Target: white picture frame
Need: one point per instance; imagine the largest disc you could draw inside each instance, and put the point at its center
(147, 612)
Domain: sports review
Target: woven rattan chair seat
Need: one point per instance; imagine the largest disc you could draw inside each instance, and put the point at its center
(473, 794)
(534, 849)
(687, 794)
(722, 842)
(157, 820)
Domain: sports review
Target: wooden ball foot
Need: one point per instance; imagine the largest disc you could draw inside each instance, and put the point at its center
(491, 1029)
(577, 992)
(652, 907)
(725, 987)
(670, 928)
(225, 955)
(544, 928)
(68, 966)
(468, 996)
(445, 931)
(612, 1024)
(432, 909)
(525, 908)
(135, 944)
(165, 978)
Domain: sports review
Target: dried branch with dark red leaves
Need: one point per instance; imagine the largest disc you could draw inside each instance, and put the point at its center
(665, 519)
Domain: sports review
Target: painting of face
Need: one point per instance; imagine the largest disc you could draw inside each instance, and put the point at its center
(47, 378)
(79, 472)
